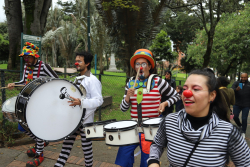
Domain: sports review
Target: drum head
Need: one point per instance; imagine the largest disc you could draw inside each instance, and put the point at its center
(153, 121)
(120, 125)
(49, 117)
(9, 105)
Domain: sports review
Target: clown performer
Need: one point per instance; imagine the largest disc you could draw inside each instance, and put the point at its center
(33, 69)
(145, 102)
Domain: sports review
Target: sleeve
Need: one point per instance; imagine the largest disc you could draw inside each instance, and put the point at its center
(124, 106)
(235, 85)
(21, 82)
(48, 70)
(160, 142)
(95, 90)
(238, 148)
(174, 84)
(166, 90)
(232, 97)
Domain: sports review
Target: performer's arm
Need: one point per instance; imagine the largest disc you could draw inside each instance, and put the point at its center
(49, 72)
(126, 100)
(95, 90)
(157, 147)
(166, 90)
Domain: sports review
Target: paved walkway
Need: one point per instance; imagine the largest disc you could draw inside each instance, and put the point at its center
(104, 156)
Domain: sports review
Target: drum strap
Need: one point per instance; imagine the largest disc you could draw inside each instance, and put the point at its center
(139, 112)
(38, 73)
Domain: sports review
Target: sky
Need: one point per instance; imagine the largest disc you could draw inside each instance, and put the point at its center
(2, 14)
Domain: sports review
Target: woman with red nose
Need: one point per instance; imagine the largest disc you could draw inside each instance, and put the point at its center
(200, 134)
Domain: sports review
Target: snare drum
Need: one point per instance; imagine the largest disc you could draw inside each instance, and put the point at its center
(41, 108)
(8, 109)
(121, 133)
(150, 128)
(94, 130)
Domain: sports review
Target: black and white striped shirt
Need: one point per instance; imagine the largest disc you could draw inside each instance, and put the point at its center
(216, 139)
(45, 70)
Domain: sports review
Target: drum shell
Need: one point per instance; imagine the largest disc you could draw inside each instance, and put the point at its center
(122, 136)
(94, 130)
(149, 136)
(150, 130)
(8, 109)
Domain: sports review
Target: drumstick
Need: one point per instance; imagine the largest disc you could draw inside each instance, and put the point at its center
(7, 87)
(136, 77)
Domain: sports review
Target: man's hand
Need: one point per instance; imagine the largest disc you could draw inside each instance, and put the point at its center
(162, 106)
(11, 86)
(130, 92)
(238, 88)
(74, 102)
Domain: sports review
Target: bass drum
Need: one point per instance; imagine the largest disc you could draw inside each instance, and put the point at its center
(42, 108)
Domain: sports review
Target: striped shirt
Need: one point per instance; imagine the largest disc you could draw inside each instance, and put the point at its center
(45, 70)
(215, 139)
(151, 101)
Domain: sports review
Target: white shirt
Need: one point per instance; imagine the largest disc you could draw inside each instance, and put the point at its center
(93, 97)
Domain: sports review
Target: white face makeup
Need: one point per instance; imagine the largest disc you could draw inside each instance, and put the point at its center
(144, 72)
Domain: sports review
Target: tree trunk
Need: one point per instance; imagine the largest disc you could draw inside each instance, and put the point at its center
(207, 56)
(14, 21)
(36, 16)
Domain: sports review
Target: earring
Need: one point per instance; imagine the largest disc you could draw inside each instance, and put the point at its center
(211, 101)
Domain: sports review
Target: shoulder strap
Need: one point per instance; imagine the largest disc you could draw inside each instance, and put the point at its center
(24, 75)
(191, 153)
(150, 78)
(39, 68)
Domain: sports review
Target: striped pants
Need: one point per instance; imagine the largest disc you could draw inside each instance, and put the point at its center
(39, 142)
(67, 146)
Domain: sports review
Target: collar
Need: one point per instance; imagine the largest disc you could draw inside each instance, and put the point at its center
(196, 135)
(87, 73)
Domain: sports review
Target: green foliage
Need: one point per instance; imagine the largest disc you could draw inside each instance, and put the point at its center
(4, 48)
(114, 4)
(161, 47)
(181, 27)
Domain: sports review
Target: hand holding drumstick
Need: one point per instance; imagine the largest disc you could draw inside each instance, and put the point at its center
(11, 86)
(131, 91)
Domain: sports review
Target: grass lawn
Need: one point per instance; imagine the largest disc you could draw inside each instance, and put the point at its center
(3, 66)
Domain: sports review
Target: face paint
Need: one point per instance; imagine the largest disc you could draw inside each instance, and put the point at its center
(142, 77)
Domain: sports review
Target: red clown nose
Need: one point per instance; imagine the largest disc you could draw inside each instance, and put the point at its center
(76, 64)
(141, 68)
(188, 93)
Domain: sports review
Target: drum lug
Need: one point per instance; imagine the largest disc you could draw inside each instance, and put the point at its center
(20, 121)
(119, 135)
(150, 130)
(19, 110)
(104, 133)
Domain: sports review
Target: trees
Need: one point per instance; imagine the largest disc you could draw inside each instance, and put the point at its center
(230, 46)
(161, 48)
(34, 23)
(209, 13)
(132, 29)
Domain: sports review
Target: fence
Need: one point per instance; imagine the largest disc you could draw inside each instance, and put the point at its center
(113, 89)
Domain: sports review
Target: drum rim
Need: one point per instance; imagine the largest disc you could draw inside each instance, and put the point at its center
(121, 145)
(121, 129)
(25, 120)
(99, 122)
(152, 125)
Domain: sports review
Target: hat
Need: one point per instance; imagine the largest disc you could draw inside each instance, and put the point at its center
(30, 49)
(142, 53)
